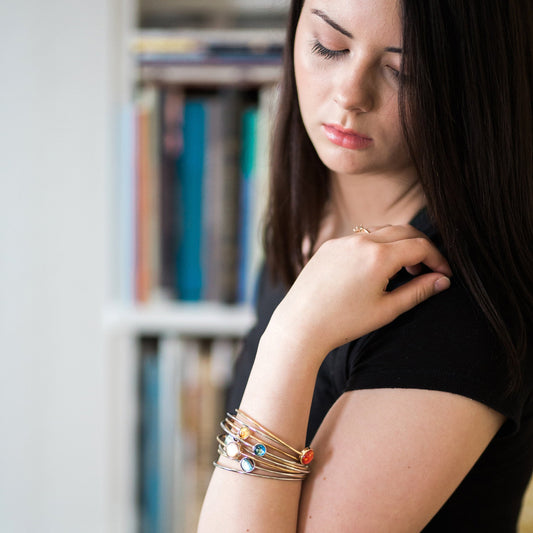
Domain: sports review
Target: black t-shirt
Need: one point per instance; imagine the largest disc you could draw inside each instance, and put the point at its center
(443, 344)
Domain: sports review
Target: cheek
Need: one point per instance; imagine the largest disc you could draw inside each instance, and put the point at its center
(391, 117)
(311, 80)
(312, 93)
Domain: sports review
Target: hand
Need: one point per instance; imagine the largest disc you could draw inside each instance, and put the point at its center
(341, 293)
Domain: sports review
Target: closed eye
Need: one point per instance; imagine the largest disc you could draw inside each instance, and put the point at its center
(395, 73)
(319, 49)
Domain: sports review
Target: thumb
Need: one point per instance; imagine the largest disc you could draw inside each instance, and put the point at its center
(417, 290)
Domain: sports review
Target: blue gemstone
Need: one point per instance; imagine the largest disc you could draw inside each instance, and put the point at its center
(260, 450)
(247, 465)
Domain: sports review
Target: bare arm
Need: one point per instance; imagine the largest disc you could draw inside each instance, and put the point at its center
(281, 384)
(388, 459)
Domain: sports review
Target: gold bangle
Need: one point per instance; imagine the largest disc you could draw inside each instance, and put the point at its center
(250, 464)
(256, 474)
(259, 447)
(233, 450)
(258, 451)
(305, 456)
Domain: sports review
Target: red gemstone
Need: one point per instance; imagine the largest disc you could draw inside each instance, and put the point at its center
(307, 456)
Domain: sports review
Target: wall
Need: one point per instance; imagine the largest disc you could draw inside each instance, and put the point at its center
(56, 133)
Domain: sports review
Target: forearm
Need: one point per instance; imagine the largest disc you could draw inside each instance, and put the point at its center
(278, 395)
(339, 295)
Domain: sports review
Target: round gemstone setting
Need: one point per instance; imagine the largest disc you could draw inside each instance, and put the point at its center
(233, 450)
(307, 456)
(244, 432)
(260, 450)
(247, 465)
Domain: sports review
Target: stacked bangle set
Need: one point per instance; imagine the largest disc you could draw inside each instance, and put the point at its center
(259, 452)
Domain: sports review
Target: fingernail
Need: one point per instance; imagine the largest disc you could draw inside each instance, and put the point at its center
(442, 284)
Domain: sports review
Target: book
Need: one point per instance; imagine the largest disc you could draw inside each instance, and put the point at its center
(171, 454)
(232, 104)
(189, 404)
(171, 146)
(213, 200)
(147, 193)
(265, 119)
(192, 201)
(183, 387)
(149, 471)
(209, 47)
(247, 202)
(189, 191)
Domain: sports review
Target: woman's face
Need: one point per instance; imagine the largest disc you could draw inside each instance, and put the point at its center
(347, 57)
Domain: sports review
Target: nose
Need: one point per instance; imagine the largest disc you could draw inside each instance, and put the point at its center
(354, 88)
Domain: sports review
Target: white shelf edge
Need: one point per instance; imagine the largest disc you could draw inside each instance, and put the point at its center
(204, 319)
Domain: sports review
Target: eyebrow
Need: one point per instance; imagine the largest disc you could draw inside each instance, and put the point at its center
(332, 23)
(345, 32)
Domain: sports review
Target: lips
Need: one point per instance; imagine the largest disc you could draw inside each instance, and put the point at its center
(345, 137)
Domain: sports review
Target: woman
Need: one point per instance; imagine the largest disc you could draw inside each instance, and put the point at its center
(415, 119)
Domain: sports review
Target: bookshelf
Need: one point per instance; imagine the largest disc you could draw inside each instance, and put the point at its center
(170, 358)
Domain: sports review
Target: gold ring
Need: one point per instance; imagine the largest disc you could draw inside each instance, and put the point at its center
(360, 229)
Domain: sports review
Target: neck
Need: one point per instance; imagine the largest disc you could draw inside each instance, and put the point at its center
(374, 200)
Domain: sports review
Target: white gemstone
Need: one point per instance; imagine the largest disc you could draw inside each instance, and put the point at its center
(233, 450)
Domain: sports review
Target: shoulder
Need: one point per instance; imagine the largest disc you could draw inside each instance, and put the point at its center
(444, 344)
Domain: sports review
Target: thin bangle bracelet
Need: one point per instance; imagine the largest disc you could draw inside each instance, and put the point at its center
(265, 476)
(305, 456)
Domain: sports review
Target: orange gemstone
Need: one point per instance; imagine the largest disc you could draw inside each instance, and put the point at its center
(244, 432)
(307, 456)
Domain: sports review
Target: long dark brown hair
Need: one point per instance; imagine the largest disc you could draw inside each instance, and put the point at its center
(466, 107)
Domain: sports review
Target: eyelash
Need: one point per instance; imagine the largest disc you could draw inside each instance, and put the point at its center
(394, 72)
(319, 49)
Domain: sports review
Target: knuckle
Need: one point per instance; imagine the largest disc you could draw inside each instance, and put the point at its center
(422, 242)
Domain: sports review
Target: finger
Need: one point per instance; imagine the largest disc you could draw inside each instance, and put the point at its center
(414, 270)
(393, 233)
(416, 291)
(410, 252)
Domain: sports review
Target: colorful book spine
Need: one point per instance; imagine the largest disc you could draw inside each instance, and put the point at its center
(170, 149)
(147, 194)
(189, 191)
(265, 115)
(192, 193)
(213, 201)
(232, 102)
(149, 439)
(183, 387)
(247, 204)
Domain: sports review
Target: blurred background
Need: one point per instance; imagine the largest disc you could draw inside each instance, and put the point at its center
(93, 330)
(133, 157)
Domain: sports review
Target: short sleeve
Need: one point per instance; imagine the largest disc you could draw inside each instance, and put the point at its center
(443, 344)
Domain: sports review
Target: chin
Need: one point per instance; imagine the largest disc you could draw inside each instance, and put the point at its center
(340, 164)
